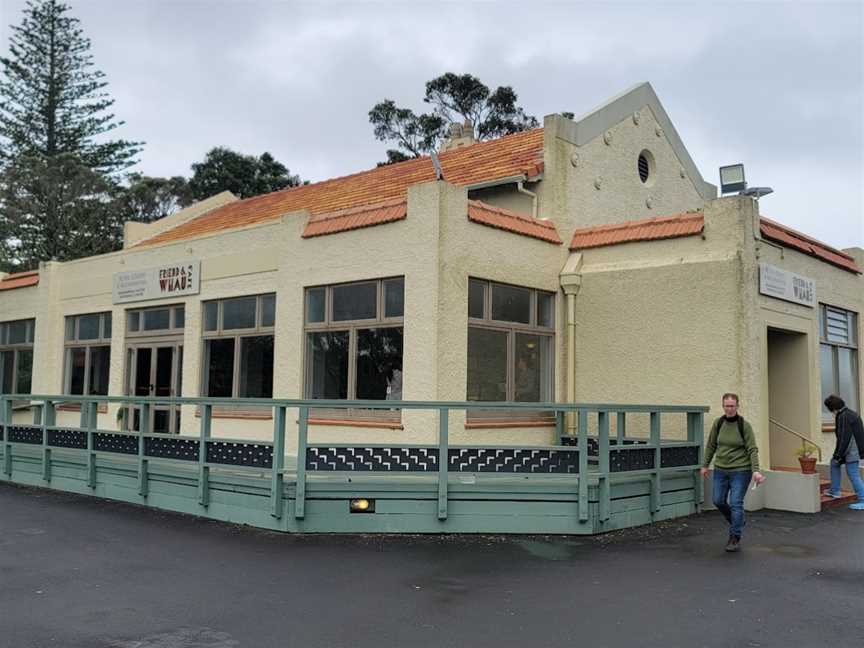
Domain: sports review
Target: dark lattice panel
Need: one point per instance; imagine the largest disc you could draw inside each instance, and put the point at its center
(31, 434)
(184, 449)
(594, 443)
(513, 460)
(372, 459)
(119, 443)
(621, 460)
(240, 454)
(671, 457)
(67, 439)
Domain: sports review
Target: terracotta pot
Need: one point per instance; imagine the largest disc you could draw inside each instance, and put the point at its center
(808, 465)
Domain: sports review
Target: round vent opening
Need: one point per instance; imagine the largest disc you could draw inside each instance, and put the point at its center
(645, 165)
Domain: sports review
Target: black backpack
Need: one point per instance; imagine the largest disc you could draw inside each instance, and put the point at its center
(719, 422)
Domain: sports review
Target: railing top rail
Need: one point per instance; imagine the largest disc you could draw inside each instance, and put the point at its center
(797, 434)
(360, 404)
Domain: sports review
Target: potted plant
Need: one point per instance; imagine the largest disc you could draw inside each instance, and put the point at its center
(807, 458)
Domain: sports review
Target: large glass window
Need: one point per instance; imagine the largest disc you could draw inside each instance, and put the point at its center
(511, 341)
(838, 333)
(16, 356)
(354, 344)
(162, 320)
(88, 354)
(238, 347)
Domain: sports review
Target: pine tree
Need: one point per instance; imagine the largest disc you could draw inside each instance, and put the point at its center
(52, 99)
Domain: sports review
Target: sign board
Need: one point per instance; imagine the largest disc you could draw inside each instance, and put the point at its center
(158, 283)
(782, 284)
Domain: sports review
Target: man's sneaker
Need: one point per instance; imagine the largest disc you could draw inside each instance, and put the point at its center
(833, 495)
(734, 544)
(857, 506)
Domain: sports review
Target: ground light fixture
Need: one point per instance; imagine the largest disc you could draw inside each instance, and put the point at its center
(361, 505)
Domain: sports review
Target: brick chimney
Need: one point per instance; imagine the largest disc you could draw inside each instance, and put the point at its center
(460, 135)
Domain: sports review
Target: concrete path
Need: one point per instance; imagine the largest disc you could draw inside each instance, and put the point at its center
(78, 572)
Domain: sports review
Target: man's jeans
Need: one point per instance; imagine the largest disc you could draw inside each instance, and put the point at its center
(730, 487)
(854, 473)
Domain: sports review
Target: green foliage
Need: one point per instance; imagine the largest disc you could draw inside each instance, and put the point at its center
(454, 99)
(243, 175)
(147, 199)
(52, 99)
(56, 208)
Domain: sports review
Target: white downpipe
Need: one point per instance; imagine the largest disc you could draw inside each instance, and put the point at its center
(571, 361)
(534, 199)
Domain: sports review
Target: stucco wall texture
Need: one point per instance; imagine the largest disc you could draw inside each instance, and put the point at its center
(668, 322)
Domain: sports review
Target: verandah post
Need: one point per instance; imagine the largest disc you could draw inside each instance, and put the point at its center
(583, 465)
(88, 422)
(276, 478)
(143, 462)
(7, 429)
(48, 420)
(604, 494)
(621, 428)
(655, 473)
(695, 434)
(203, 469)
(443, 460)
(302, 440)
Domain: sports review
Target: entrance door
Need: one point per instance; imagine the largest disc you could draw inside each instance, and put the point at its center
(155, 370)
(789, 403)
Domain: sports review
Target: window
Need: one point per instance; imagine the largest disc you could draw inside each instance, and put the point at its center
(838, 355)
(16, 356)
(354, 343)
(155, 321)
(238, 347)
(511, 341)
(88, 354)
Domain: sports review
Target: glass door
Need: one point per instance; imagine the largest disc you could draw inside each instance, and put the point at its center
(154, 370)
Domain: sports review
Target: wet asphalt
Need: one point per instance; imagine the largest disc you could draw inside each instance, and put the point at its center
(78, 572)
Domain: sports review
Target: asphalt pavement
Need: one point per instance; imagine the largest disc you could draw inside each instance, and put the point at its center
(77, 572)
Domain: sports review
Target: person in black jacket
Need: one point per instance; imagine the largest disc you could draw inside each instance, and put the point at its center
(850, 443)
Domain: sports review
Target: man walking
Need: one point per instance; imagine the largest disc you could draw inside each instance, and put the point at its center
(849, 431)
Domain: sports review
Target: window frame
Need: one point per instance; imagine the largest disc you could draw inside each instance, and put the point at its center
(834, 347)
(69, 345)
(172, 329)
(236, 334)
(329, 325)
(513, 329)
(16, 349)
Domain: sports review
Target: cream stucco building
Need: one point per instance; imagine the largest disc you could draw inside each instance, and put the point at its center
(587, 260)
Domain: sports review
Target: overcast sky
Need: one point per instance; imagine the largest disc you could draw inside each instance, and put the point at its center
(777, 86)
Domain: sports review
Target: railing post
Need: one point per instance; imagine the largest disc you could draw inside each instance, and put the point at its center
(88, 425)
(203, 469)
(143, 461)
(443, 460)
(604, 495)
(655, 473)
(583, 465)
(7, 430)
(48, 420)
(302, 440)
(695, 434)
(560, 426)
(276, 478)
(621, 428)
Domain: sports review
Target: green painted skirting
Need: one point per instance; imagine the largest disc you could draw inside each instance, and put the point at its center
(404, 504)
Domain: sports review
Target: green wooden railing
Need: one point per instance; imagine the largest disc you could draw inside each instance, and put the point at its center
(598, 457)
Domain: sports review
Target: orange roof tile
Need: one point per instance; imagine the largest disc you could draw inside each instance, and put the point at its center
(504, 219)
(355, 218)
(783, 235)
(517, 154)
(19, 280)
(649, 229)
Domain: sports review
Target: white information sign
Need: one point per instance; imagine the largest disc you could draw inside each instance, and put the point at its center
(158, 283)
(782, 284)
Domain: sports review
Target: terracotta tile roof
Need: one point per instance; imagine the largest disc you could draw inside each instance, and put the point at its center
(783, 235)
(355, 218)
(649, 229)
(518, 154)
(19, 280)
(504, 219)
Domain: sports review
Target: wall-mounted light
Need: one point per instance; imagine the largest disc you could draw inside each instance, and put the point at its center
(361, 505)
